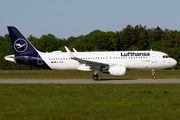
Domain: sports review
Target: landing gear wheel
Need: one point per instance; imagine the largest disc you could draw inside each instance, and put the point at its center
(153, 74)
(95, 77)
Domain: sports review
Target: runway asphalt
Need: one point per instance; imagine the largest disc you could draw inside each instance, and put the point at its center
(88, 81)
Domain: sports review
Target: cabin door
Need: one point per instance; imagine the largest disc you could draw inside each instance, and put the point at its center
(154, 58)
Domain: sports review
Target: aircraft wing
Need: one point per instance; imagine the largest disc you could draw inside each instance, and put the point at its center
(87, 62)
(90, 63)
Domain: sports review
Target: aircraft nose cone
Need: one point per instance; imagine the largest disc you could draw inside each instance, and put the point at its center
(174, 62)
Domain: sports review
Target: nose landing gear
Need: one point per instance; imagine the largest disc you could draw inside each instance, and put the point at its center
(153, 74)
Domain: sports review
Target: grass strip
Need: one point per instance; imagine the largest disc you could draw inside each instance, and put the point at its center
(90, 101)
(47, 74)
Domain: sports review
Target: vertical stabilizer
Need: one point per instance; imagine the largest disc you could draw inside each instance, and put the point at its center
(24, 51)
(20, 44)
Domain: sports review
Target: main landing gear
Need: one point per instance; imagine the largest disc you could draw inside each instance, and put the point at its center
(153, 74)
(95, 76)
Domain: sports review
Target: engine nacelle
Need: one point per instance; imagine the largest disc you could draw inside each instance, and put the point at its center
(117, 70)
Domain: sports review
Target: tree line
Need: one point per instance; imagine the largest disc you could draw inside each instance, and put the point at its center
(128, 39)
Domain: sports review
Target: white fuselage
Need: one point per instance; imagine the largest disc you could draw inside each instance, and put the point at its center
(130, 59)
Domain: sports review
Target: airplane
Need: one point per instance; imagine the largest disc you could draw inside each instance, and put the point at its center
(115, 63)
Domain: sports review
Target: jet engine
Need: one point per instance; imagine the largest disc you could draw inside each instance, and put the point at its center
(117, 70)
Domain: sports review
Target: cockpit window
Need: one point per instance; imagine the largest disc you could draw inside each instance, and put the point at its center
(166, 56)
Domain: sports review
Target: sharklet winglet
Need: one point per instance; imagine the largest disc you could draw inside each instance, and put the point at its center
(74, 50)
(69, 52)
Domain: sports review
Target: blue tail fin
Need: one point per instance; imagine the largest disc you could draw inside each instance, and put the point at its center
(20, 44)
(25, 52)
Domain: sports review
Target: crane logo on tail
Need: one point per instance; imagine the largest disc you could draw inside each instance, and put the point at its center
(20, 45)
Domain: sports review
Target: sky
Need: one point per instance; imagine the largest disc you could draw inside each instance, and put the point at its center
(65, 18)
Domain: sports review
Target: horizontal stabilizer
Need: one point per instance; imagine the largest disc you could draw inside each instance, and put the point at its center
(12, 58)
